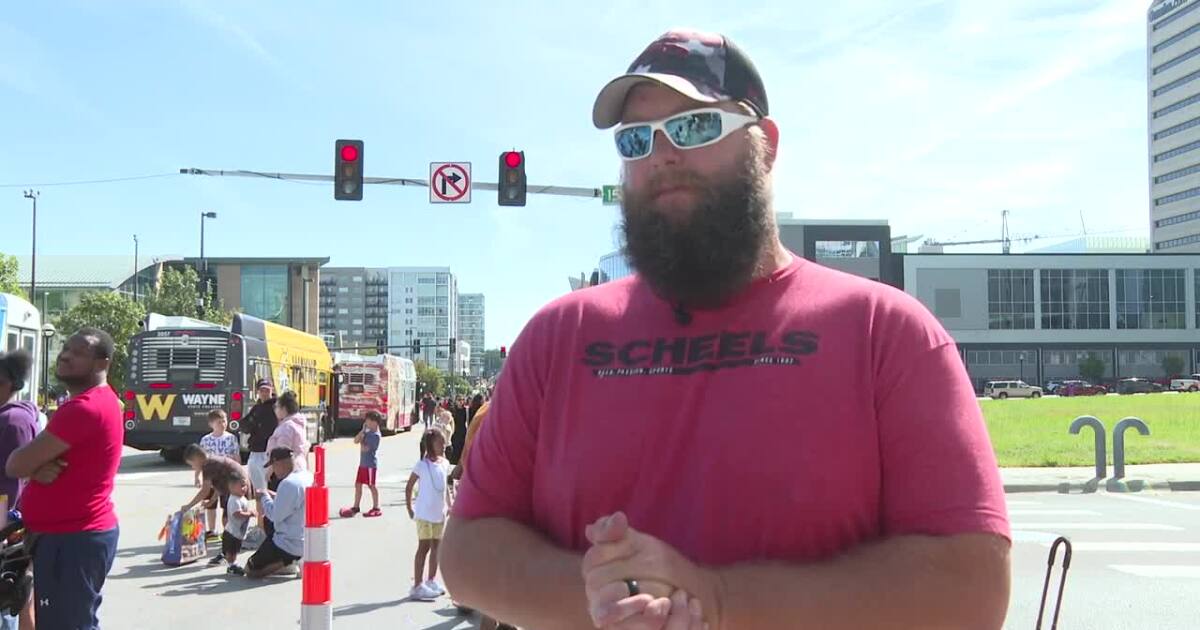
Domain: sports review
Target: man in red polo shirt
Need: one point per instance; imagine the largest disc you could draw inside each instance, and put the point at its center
(68, 506)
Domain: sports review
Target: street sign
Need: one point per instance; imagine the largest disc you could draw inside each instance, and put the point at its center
(450, 182)
(612, 195)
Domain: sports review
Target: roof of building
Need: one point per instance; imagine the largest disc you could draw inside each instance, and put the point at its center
(1094, 244)
(98, 272)
(239, 260)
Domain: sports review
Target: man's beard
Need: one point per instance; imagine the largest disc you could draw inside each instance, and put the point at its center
(704, 258)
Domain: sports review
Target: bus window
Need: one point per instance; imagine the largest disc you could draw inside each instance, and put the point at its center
(11, 344)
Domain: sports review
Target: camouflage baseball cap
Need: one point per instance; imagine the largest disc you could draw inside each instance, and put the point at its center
(705, 67)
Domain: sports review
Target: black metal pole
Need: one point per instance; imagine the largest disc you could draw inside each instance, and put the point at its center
(137, 278)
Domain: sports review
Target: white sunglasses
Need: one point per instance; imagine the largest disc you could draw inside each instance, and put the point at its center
(686, 130)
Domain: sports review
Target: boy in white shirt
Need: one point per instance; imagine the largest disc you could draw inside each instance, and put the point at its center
(219, 442)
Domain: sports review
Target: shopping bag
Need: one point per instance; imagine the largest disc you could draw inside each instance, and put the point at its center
(184, 537)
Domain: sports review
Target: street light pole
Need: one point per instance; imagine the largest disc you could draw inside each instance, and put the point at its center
(203, 265)
(137, 278)
(33, 194)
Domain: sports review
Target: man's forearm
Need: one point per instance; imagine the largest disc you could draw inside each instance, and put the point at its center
(903, 583)
(514, 574)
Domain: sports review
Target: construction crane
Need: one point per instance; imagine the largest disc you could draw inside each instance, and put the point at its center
(1005, 239)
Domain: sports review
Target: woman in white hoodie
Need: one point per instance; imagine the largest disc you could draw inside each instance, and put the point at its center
(292, 431)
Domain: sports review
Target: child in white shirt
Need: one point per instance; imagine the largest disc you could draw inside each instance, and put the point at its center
(431, 472)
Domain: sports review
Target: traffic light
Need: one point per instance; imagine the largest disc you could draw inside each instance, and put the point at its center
(453, 346)
(416, 347)
(511, 186)
(380, 346)
(503, 352)
(348, 170)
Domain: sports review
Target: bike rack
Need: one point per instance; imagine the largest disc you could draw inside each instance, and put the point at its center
(1119, 442)
(1098, 429)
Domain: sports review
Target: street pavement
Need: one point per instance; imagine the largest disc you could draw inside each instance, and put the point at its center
(1136, 560)
(372, 558)
(1135, 564)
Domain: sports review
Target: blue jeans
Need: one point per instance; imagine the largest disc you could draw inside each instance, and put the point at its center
(68, 574)
(8, 622)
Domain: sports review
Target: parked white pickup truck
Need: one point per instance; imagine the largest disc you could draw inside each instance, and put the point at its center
(1186, 384)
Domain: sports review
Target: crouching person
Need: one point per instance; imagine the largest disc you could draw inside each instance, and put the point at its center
(285, 508)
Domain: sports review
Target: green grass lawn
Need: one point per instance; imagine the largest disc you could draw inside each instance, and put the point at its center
(1027, 432)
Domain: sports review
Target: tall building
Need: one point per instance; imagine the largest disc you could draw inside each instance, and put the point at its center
(470, 328)
(423, 304)
(1173, 74)
(354, 306)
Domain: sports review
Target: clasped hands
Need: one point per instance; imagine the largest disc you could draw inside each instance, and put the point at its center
(671, 587)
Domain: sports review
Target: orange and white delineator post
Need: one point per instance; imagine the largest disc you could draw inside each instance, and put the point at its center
(316, 605)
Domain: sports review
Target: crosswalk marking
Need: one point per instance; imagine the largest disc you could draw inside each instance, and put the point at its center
(1160, 502)
(1022, 503)
(1147, 527)
(1052, 512)
(1160, 570)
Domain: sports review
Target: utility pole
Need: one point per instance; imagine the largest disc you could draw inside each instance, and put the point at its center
(33, 194)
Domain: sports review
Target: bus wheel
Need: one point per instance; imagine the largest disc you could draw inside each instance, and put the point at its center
(172, 455)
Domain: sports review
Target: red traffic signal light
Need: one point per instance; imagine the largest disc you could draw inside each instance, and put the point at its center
(348, 170)
(503, 351)
(511, 188)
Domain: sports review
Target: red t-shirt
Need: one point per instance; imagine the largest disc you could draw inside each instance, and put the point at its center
(80, 500)
(816, 412)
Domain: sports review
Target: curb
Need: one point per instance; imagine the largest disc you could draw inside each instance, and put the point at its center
(1112, 485)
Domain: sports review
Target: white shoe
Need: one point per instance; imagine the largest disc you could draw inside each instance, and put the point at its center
(422, 594)
(434, 587)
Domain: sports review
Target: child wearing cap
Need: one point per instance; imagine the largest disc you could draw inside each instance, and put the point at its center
(368, 440)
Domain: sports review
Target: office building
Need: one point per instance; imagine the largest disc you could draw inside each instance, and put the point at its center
(1037, 316)
(280, 290)
(471, 328)
(354, 306)
(423, 304)
(1173, 93)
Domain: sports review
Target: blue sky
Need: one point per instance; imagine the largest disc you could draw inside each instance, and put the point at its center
(933, 115)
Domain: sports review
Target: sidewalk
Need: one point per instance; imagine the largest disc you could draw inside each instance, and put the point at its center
(1157, 477)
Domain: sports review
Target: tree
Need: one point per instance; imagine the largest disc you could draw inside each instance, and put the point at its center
(430, 378)
(1173, 365)
(113, 313)
(9, 275)
(1092, 368)
(458, 385)
(176, 294)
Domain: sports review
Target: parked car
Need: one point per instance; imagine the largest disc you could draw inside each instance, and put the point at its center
(1011, 389)
(1138, 386)
(1052, 387)
(1190, 384)
(1081, 388)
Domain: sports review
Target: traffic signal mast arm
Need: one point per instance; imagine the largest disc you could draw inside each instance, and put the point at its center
(564, 191)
